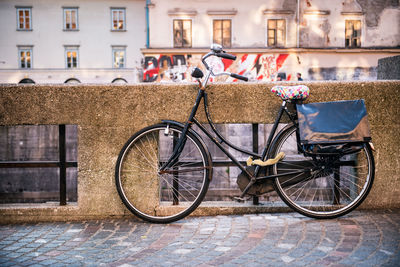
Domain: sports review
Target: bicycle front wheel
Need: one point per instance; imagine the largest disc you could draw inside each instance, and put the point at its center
(162, 196)
(322, 186)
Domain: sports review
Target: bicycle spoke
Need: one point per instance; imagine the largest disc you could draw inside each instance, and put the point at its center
(347, 179)
(154, 151)
(153, 162)
(300, 188)
(147, 160)
(290, 187)
(341, 191)
(187, 188)
(344, 193)
(187, 164)
(322, 197)
(184, 156)
(286, 181)
(171, 186)
(196, 169)
(311, 202)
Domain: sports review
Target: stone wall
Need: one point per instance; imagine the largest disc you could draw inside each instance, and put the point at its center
(108, 115)
(389, 68)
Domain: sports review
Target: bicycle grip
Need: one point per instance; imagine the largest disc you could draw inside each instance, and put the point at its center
(227, 56)
(240, 77)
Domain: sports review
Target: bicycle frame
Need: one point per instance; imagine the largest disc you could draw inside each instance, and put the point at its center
(202, 94)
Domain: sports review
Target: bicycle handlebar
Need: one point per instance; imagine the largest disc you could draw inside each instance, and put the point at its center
(227, 56)
(216, 50)
(240, 77)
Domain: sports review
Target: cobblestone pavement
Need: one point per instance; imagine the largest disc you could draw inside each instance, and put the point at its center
(363, 238)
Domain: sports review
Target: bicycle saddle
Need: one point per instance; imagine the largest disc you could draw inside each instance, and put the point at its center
(291, 92)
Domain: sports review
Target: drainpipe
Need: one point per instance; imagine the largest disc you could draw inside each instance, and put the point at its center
(298, 24)
(148, 2)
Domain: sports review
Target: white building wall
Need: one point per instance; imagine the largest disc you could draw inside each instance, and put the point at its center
(94, 38)
(315, 38)
(387, 33)
(249, 23)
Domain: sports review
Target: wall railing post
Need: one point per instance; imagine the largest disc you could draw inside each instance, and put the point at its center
(256, 200)
(63, 164)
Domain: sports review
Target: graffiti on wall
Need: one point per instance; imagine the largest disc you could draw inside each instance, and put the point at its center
(177, 68)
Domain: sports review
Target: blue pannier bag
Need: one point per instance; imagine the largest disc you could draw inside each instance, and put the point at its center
(328, 123)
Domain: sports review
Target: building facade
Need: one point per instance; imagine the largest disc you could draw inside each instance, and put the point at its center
(322, 40)
(59, 41)
(130, 41)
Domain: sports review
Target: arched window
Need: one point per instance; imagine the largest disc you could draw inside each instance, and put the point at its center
(72, 80)
(119, 81)
(27, 80)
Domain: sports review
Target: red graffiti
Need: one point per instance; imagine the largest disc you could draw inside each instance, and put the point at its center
(177, 68)
(270, 65)
(227, 63)
(280, 60)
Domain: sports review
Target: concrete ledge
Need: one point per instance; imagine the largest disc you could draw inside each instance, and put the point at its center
(107, 115)
(21, 213)
(232, 207)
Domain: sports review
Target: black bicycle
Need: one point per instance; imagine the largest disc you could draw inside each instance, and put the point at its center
(320, 175)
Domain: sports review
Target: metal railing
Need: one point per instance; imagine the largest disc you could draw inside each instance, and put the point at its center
(62, 164)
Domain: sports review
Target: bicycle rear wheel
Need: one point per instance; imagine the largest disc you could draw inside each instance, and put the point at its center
(324, 186)
(168, 195)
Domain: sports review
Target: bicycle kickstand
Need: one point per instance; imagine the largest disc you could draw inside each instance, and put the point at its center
(241, 197)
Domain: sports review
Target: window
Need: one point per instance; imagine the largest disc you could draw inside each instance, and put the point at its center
(118, 19)
(222, 32)
(182, 33)
(276, 32)
(24, 18)
(119, 81)
(353, 33)
(118, 57)
(25, 58)
(27, 80)
(70, 19)
(71, 57)
(72, 81)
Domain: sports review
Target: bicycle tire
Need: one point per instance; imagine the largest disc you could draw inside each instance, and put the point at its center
(173, 194)
(326, 192)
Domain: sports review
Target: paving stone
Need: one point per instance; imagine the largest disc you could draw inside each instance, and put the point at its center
(366, 238)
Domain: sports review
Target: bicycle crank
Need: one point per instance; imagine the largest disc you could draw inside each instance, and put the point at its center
(257, 188)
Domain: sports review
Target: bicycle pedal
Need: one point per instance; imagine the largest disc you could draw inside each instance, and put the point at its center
(239, 199)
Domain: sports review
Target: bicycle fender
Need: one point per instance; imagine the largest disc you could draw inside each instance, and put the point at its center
(273, 143)
(177, 123)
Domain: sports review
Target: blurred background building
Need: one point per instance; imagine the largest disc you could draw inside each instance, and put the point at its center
(322, 40)
(57, 41)
(130, 41)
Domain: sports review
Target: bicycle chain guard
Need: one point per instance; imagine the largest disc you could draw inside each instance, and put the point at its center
(256, 189)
